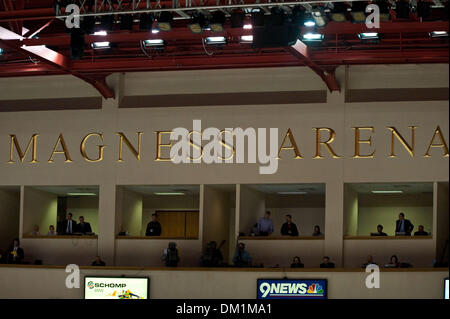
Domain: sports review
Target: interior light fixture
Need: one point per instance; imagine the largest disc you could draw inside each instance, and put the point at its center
(168, 193)
(387, 192)
(292, 193)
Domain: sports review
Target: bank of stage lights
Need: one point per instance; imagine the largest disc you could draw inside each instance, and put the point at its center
(280, 28)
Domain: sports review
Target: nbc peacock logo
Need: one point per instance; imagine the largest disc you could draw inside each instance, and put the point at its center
(315, 289)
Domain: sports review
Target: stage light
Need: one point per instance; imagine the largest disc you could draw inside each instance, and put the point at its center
(368, 36)
(237, 19)
(402, 9)
(309, 21)
(87, 25)
(217, 21)
(439, 34)
(102, 33)
(1, 51)
(107, 22)
(312, 37)
(319, 17)
(258, 18)
(146, 21)
(215, 40)
(198, 23)
(358, 12)
(165, 21)
(247, 26)
(246, 39)
(154, 31)
(154, 43)
(423, 9)
(101, 45)
(76, 44)
(126, 22)
(339, 12)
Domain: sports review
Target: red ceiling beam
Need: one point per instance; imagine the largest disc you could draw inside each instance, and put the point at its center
(301, 51)
(53, 59)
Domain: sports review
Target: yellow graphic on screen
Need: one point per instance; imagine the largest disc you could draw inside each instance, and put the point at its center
(124, 295)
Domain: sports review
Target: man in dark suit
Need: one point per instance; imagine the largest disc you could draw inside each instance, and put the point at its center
(69, 226)
(421, 232)
(289, 228)
(153, 227)
(15, 253)
(326, 263)
(83, 227)
(403, 225)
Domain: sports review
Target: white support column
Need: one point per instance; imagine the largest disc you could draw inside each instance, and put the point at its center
(334, 222)
(106, 223)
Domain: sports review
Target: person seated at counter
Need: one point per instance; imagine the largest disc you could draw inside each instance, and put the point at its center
(403, 225)
(35, 231)
(393, 262)
(83, 227)
(326, 263)
(51, 231)
(241, 257)
(98, 262)
(153, 227)
(265, 225)
(316, 231)
(254, 230)
(15, 253)
(379, 231)
(212, 257)
(69, 226)
(421, 231)
(171, 256)
(289, 228)
(296, 263)
(369, 262)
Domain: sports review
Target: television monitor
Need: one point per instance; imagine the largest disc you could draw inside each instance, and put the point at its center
(116, 287)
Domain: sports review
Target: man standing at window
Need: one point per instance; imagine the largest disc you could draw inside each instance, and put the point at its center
(289, 228)
(403, 225)
(154, 227)
(69, 225)
(265, 225)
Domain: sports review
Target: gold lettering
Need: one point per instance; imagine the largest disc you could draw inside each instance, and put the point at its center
(326, 143)
(293, 145)
(64, 150)
(359, 141)
(443, 144)
(159, 145)
(405, 144)
(100, 148)
(15, 142)
(230, 147)
(198, 147)
(136, 153)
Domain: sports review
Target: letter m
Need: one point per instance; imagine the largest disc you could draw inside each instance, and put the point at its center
(15, 143)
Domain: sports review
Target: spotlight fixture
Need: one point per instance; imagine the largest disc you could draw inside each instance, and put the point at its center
(309, 21)
(126, 22)
(107, 22)
(247, 27)
(198, 23)
(154, 31)
(215, 40)
(258, 18)
(101, 45)
(339, 12)
(146, 21)
(165, 21)
(246, 39)
(154, 43)
(358, 12)
(237, 19)
(312, 37)
(368, 36)
(76, 45)
(318, 14)
(402, 9)
(87, 25)
(102, 33)
(439, 34)
(423, 9)
(217, 21)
